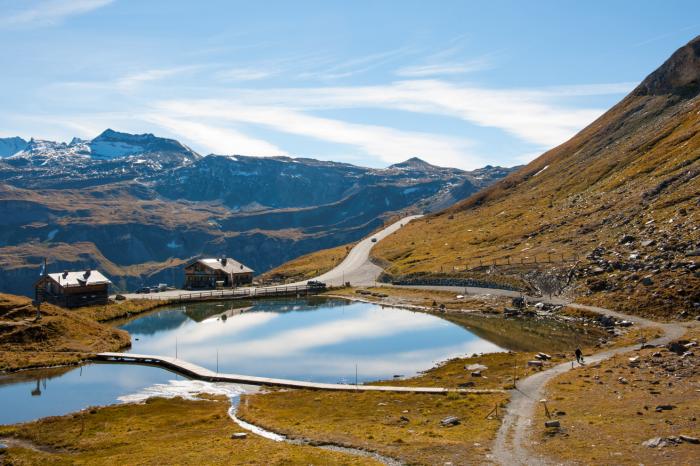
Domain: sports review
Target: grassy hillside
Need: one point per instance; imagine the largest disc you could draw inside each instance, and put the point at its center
(61, 336)
(308, 266)
(624, 192)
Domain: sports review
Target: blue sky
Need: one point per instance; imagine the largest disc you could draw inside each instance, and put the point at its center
(457, 83)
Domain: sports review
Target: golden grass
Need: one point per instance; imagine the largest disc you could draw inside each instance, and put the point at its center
(605, 422)
(424, 298)
(309, 265)
(160, 431)
(119, 309)
(404, 426)
(59, 337)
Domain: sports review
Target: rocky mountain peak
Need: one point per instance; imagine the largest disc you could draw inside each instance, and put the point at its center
(10, 146)
(679, 75)
(413, 163)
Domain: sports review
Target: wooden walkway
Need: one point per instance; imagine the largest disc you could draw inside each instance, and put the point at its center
(200, 373)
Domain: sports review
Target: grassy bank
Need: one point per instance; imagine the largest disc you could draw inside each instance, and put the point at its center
(61, 336)
(403, 426)
(308, 266)
(160, 431)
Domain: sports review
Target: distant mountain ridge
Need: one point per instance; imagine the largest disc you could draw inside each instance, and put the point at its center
(138, 206)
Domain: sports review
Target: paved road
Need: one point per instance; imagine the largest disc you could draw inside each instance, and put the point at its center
(357, 268)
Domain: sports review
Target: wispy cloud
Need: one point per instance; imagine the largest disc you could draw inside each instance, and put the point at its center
(245, 74)
(225, 141)
(441, 69)
(533, 115)
(355, 66)
(388, 144)
(50, 12)
(131, 81)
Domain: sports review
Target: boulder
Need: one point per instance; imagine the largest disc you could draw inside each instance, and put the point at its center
(239, 435)
(689, 439)
(535, 363)
(450, 421)
(553, 423)
(626, 238)
(664, 407)
(543, 356)
(655, 442)
(476, 367)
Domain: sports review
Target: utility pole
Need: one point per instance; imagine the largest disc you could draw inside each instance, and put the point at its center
(40, 292)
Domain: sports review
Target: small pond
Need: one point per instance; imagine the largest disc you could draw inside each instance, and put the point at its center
(315, 339)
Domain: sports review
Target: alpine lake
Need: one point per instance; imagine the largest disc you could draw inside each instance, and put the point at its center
(313, 339)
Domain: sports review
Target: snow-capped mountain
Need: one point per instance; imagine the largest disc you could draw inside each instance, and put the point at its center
(40, 150)
(112, 144)
(109, 145)
(10, 146)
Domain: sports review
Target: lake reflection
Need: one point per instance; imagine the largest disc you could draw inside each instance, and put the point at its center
(318, 339)
(32, 394)
(314, 339)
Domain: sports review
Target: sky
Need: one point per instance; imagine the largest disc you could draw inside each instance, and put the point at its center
(456, 83)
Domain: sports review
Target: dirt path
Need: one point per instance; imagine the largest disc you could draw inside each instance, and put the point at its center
(510, 445)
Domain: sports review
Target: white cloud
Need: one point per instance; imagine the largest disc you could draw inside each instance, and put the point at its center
(441, 69)
(532, 115)
(49, 12)
(245, 74)
(215, 139)
(388, 144)
(131, 81)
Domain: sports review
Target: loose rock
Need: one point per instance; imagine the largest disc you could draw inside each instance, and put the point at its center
(689, 439)
(239, 435)
(450, 421)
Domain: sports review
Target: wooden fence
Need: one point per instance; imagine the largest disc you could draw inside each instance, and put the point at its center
(480, 264)
(248, 293)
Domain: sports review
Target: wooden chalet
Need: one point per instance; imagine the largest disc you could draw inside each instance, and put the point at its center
(217, 272)
(73, 289)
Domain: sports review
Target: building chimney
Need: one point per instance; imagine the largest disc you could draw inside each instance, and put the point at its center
(86, 274)
(65, 273)
(223, 259)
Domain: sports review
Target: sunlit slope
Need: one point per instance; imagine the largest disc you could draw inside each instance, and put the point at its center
(634, 171)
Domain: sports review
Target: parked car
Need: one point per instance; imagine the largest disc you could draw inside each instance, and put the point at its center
(143, 290)
(315, 284)
(155, 289)
(162, 287)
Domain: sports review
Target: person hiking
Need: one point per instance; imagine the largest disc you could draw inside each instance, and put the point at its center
(579, 356)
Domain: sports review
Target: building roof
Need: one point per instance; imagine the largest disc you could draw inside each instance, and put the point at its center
(226, 265)
(79, 278)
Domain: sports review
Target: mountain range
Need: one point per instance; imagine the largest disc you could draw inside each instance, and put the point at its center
(139, 206)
